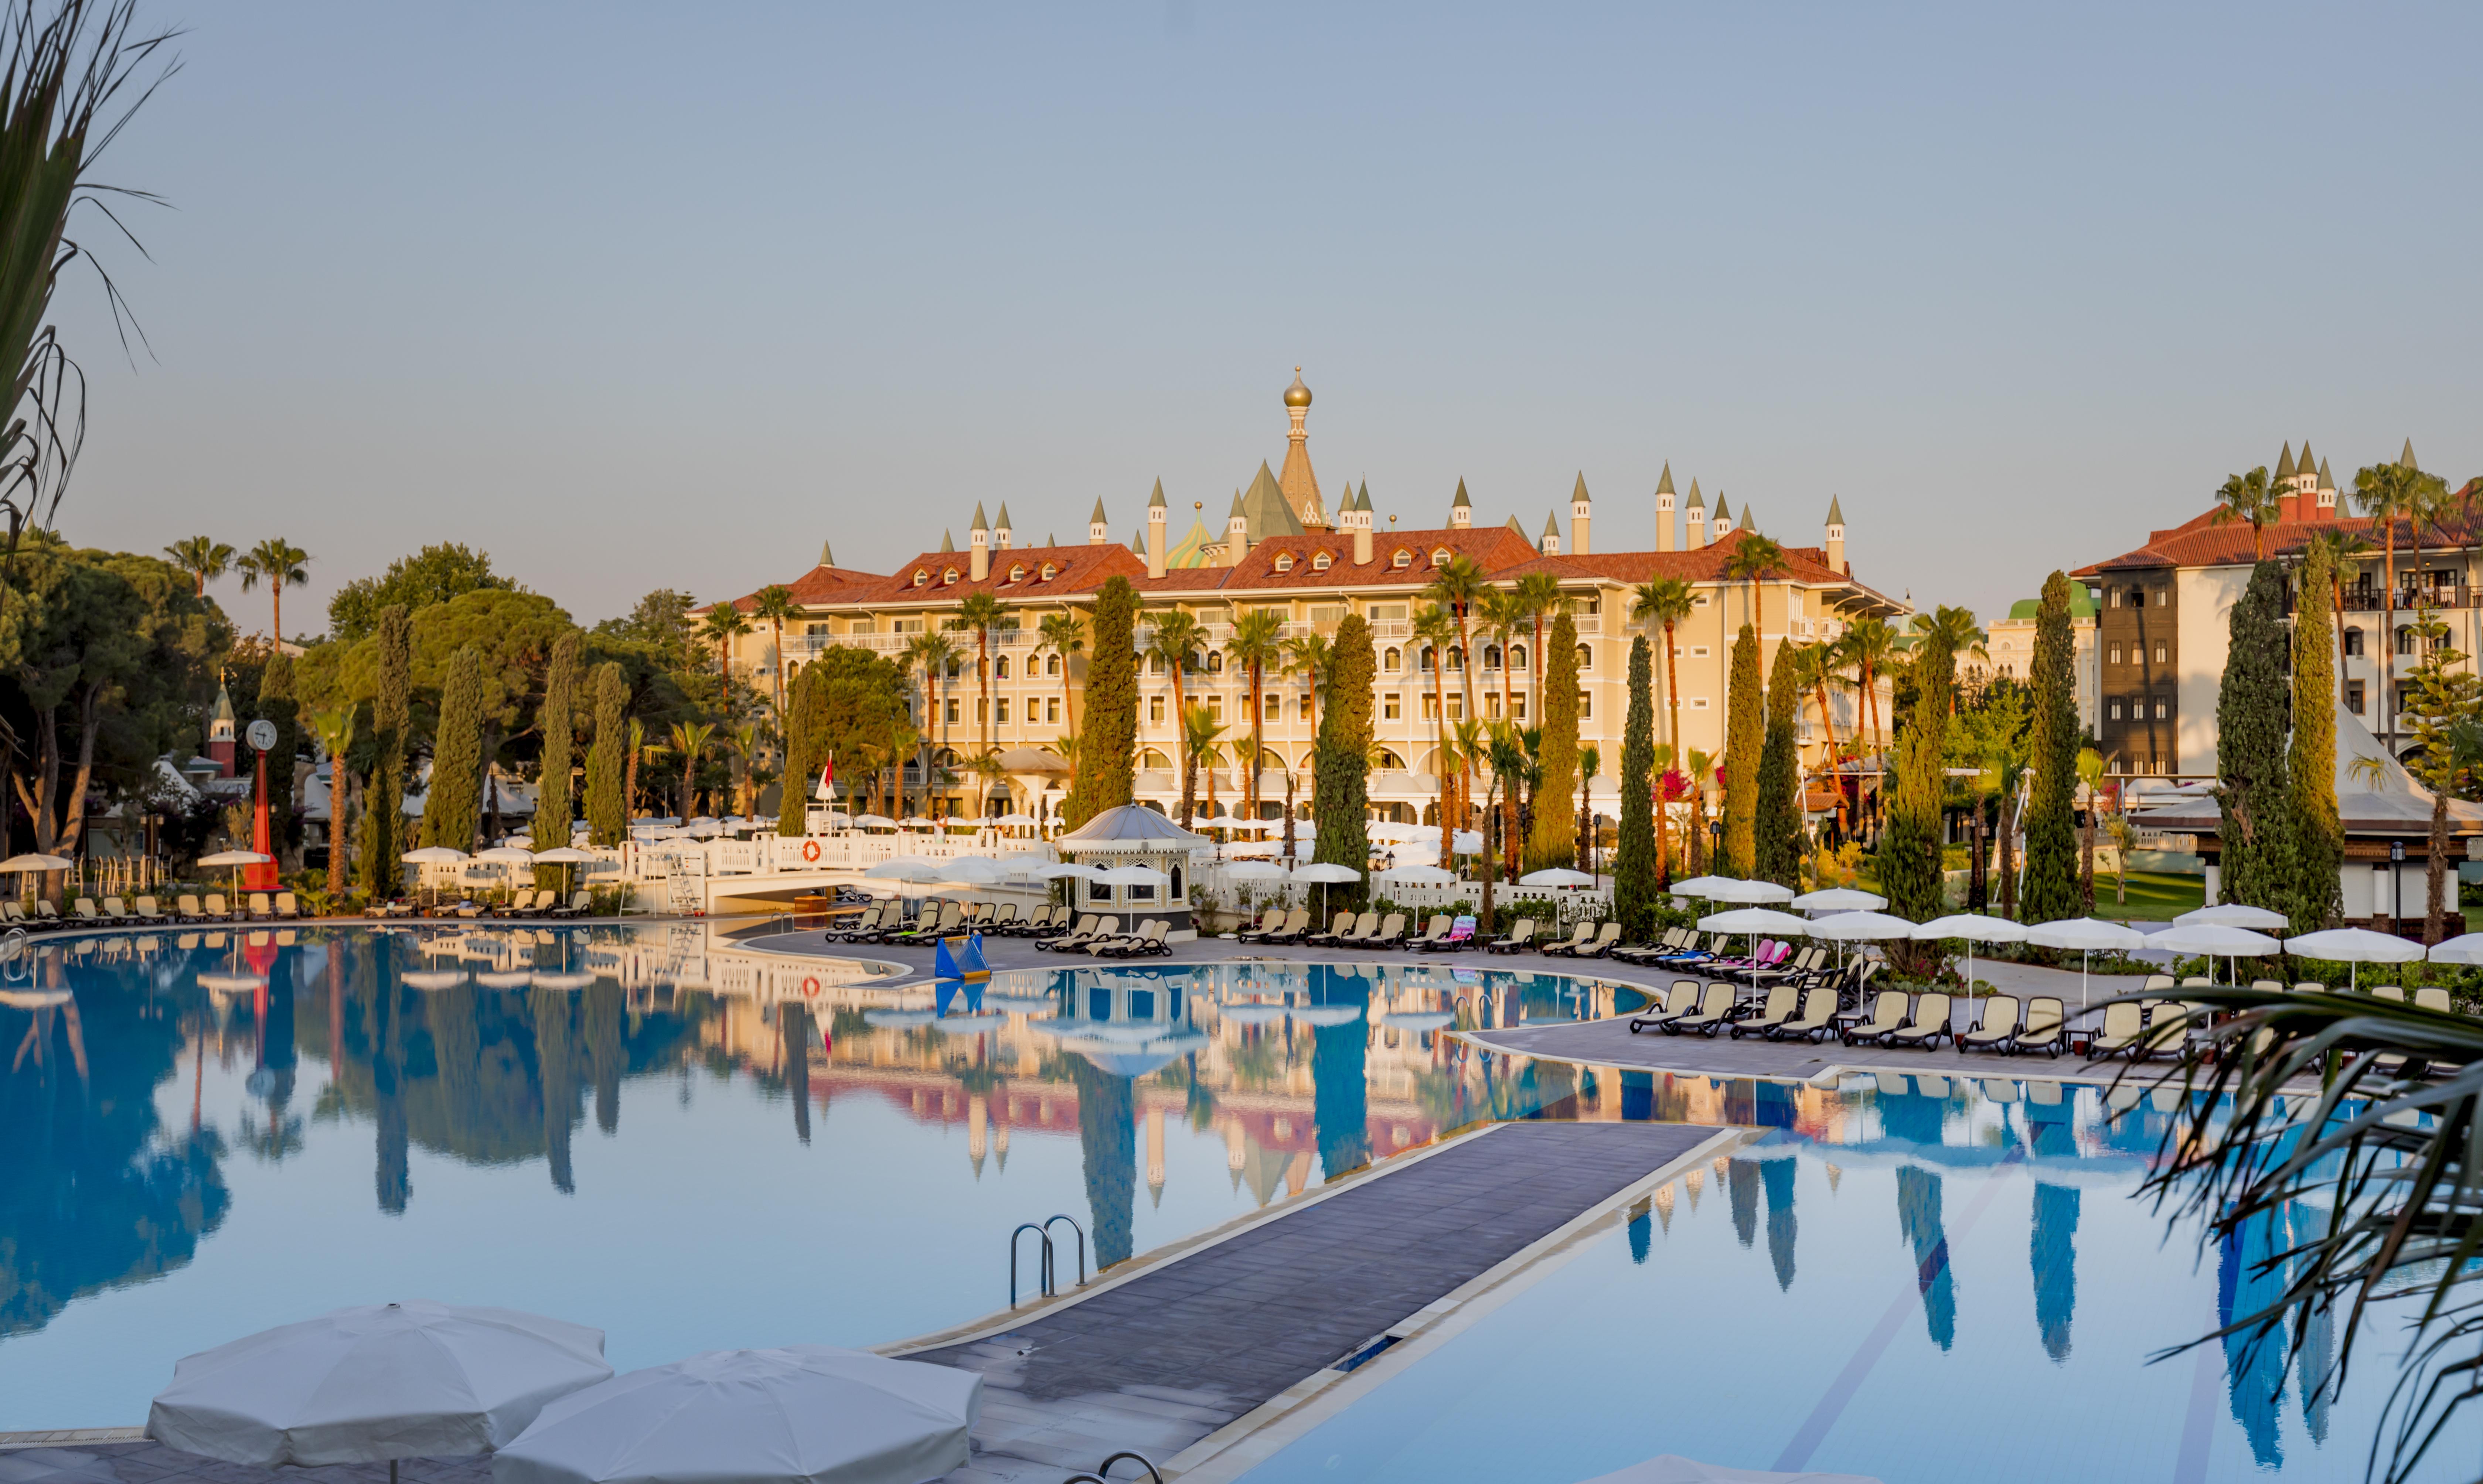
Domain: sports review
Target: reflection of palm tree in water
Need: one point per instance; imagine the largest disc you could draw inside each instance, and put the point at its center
(2052, 1246)
(2247, 1281)
(1340, 1090)
(377, 981)
(1742, 1186)
(607, 1057)
(2315, 1339)
(1916, 1119)
(793, 1029)
(1778, 1176)
(557, 1066)
(1108, 1137)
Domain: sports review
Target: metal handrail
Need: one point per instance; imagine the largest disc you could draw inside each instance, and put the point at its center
(1082, 1243)
(1044, 1260)
(1103, 1470)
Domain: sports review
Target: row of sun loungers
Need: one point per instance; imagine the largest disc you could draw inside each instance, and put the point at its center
(148, 911)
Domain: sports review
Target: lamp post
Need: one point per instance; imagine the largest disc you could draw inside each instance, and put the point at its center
(1716, 846)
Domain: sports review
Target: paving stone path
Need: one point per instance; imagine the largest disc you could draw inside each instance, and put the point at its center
(1167, 1357)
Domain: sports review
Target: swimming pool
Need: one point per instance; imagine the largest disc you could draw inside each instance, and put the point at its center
(651, 1131)
(1925, 1280)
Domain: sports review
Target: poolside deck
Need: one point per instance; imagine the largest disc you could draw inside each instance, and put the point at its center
(1194, 1343)
(1610, 1043)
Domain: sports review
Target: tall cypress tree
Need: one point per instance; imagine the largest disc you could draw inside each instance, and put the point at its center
(2310, 769)
(1634, 863)
(1745, 739)
(557, 721)
(383, 800)
(1910, 846)
(276, 705)
(1553, 841)
(1108, 749)
(454, 798)
(607, 814)
(2052, 747)
(1779, 825)
(2252, 783)
(808, 730)
(1341, 764)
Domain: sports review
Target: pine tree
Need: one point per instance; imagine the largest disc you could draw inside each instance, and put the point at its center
(383, 800)
(278, 705)
(1341, 764)
(1553, 841)
(2051, 890)
(453, 800)
(607, 814)
(2256, 838)
(1910, 846)
(1745, 739)
(1108, 749)
(1634, 863)
(2310, 769)
(1777, 828)
(557, 721)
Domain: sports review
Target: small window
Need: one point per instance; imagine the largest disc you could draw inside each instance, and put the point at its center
(1700, 602)
(1401, 559)
(1284, 561)
(2116, 659)
(2163, 596)
(920, 576)
(1391, 660)
(1698, 652)
(1326, 613)
(2159, 655)
(2354, 697)
(1384, 613)
(1440, 556)
(1586, 707)
(2113, 710)
(1389, 702)
(2163, 709)
(1697, 704)
(2112, 597)
(2354, 639)
(1017, 572)
(999, 668)
(1048, 573)
(948, 576)
(1319, 562)
(1585, 656)
(1000, 710)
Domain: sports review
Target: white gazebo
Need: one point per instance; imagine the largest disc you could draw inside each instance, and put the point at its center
(1134, 835)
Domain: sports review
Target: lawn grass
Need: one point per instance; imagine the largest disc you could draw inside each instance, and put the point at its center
(2153, 896)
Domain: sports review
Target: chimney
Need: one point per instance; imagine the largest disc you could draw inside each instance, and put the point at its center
(1155, 532)
(1696, 519)
(1836, 535)
(1580, 514)
(979, 563)
(1663, 513)
(1237, 533)
(1098, 531)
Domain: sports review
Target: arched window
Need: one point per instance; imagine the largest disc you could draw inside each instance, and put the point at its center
(1155, 664)
(999, 668)
(1270, 758)
(2353, 641)
(1284, 561)
(1403, 558)
(1319, 562)
(1457, 658)
(1175, 873)
(1052, 665)
(1215, 661)
(1391, 660)
(1389, 761)
(1517, 656)
(955, 666)
(1585, 656)
(1430, 658)
(1155, 760)
(1491, 656)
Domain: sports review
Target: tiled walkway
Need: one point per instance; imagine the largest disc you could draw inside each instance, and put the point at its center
(1177, 1352)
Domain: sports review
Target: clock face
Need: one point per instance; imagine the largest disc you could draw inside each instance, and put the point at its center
(262, 734)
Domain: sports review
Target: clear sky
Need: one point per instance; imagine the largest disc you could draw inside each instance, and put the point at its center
(638, 296)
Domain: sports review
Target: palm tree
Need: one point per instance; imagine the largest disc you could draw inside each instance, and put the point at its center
(1666, 601)
(690, 739)
(1060, 634)
(1538, 597)
(2248, 497)
(1815, 670)
(1752, 557)
(725, 624)
(988, 771)
(2387, 493)
(1309, 655)
(1663, 758)
(745, 746)
(933, 654)
(1499, 612)
(203, 557)
(279, 564)
(1199, 735)
(1257, 642)
(1952, 629)
(335, 728)
(1870, 647)
(1177, 637)
(1435, 629)
(1473, 752)
(774, 606)
(978, 615)
(1590, 760)
(1453, 586)
(1700, 772)
(2341, 545)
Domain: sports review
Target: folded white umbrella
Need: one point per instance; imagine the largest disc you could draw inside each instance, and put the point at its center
(2356, 947)
(1672, 1468)
(1556, 875)
(2468, 949)
(379, 1382)
(1838, 899)
(801, 1415)
(2233, 915)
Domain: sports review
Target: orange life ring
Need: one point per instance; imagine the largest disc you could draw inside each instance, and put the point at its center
(809, 850)
(811, 989)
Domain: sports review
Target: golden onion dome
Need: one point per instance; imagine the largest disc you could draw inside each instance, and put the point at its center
(1298, 394)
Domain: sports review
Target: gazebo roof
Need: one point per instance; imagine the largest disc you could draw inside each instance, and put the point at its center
(1130, 827)
(2375, 795)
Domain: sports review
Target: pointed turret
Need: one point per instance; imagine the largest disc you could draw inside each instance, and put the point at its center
(1156, 513)
(1722, 523)
(2406, 459)
(1460, 509)
(1695, 517)
(2285, 465)
(1515, 526)
(978, 537)
(1835, 546)
(1156, 501)
(1050, 540)
(979, 523)
(2303, 467)
(827, 554)
(1097, 531)
(1362, 523)
(1749, 522)
(1666, 513)
(2326, 482)
(1003, 535)
(1549, 544)
(1663, 481)
(1237, 530)
(1300, 487)
(1581, 515)
(947, 542)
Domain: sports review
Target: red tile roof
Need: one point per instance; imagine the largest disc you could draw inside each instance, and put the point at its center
(1079, 569)
(2201, 542)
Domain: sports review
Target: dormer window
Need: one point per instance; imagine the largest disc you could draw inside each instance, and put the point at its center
(948, 576)
(1284, 561)
(1440, 556)
(920, 576)
(1401, 559)
(1319, 562)
(1017, 572)
(1048, 571)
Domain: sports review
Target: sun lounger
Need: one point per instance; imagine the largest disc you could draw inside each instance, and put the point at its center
(218, 911)
(83, 909)
(1090, 927)
(1521, 933)
(2124, 1032)
(147, 910)
(1679, 1000)
(2046, 1029)
(1390, 934)
(854, 927)
(1782, 1001)
(1607, 938)
(1930, 1024)
(1365, 928)
(1579, 934)
(1818, 1018)
(1461, 935)
(2155, 982)
(1715, 1011)
(1432, 936)
(1148, 938)
(288, 906)
(1336, 930)
(1297, 924)
(1002, 920)
(2432, 997)
(1998, 1029)
(1270, 921)
(1887, 1013)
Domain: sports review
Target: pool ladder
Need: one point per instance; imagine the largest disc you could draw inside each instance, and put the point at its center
(1047, 1279)
(1102, 1474)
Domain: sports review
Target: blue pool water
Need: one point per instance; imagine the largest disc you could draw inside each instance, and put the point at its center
(647, 1130)
(1921, 1280)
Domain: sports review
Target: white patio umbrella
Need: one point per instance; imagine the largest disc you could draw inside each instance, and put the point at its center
(237, 858)
(801, 1415)
(1975, 927)
(1556, 875)
(1133, 876)
(1018, 821)
(973, 871)
(874, 822)
(2087, 935)
(2356, 947)
(2215, 941)
(906, 868)
(2466, 949)
(1068, 868)
(414, 1379)
(1754, 920)
(1724, 888)
(564, 855)
(1859, 927)
(1256, 870)
(1326, 872)
(1838, 899)
(1418, 876)
(2233, 915)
